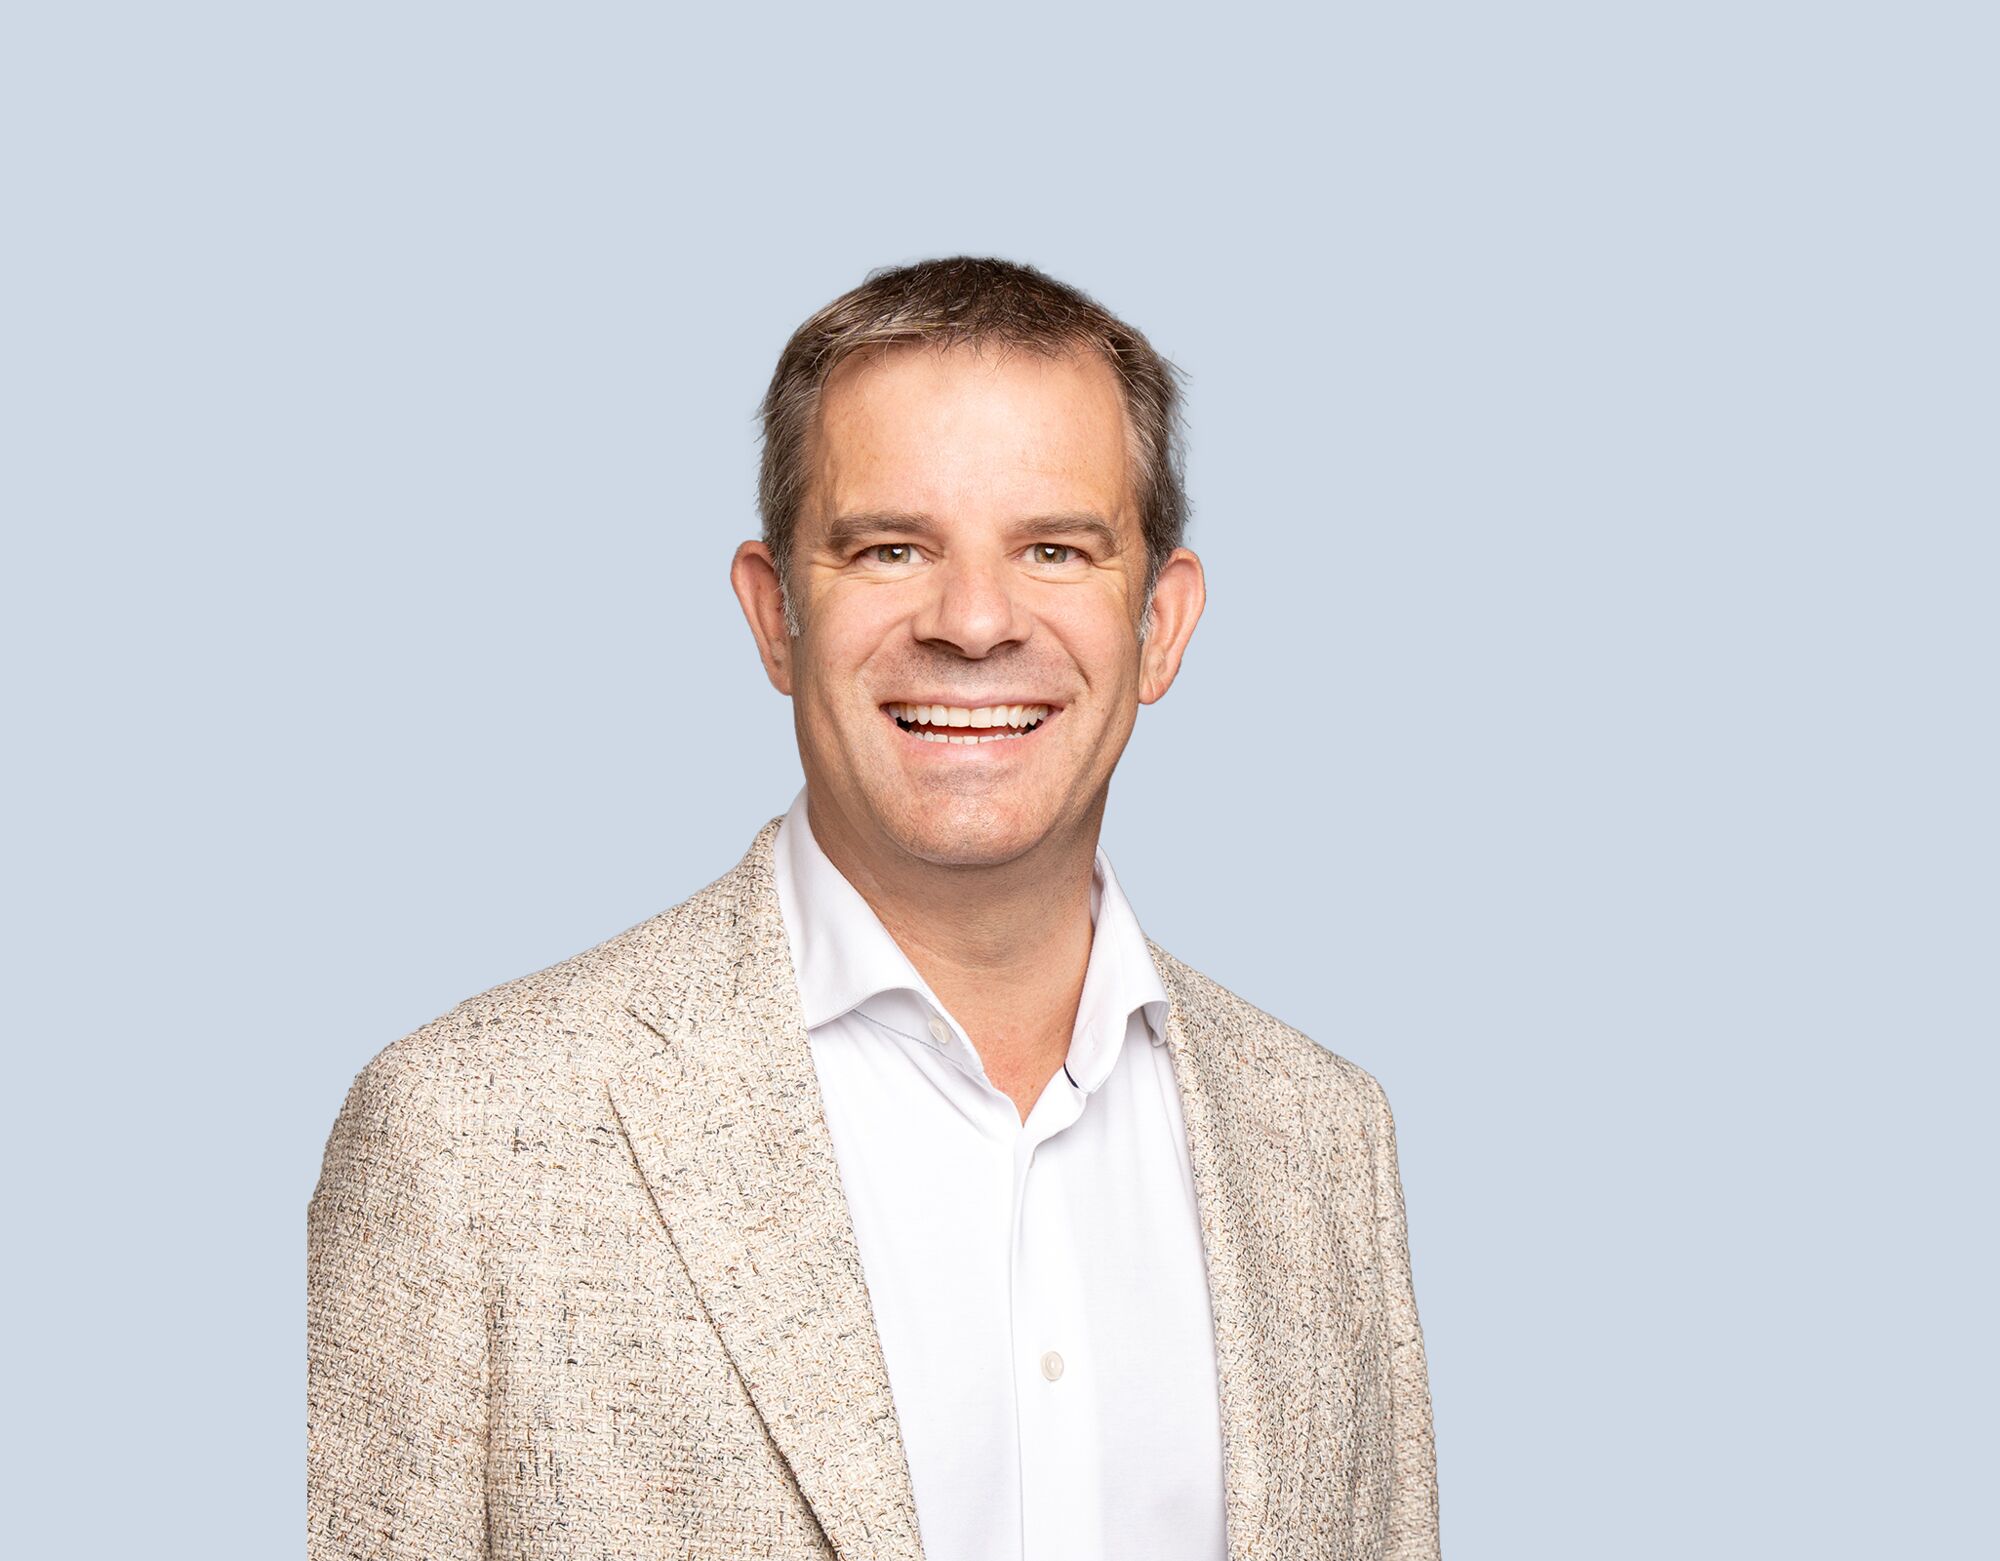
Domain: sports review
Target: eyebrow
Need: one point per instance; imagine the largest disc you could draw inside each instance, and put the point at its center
(846, 531)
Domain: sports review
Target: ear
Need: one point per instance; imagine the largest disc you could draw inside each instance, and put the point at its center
(755, 580)
(1179, 593)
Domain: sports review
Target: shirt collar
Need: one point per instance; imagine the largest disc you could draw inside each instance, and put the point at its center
(844, 956)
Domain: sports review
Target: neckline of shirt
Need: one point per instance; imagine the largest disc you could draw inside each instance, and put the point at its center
(843, 956)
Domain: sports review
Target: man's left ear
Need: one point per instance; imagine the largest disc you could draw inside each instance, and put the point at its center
(1179, 593)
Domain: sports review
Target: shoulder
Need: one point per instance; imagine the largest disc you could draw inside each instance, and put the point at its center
(1240, 1035)
(538, 1032)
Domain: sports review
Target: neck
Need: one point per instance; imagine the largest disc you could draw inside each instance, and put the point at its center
(1004, 947)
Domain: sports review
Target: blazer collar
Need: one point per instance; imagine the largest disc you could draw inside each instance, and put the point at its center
(718, 1095)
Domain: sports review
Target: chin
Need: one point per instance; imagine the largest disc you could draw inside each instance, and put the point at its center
(968, 832)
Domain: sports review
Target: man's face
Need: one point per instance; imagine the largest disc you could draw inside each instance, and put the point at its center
(971, 541)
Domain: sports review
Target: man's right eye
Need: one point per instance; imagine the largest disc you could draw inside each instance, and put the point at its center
(887, 553)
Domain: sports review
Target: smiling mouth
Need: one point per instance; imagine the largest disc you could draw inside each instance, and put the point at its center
(969, 724)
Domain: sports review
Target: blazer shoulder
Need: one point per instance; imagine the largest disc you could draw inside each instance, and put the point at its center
(561, 1015)
(1226, 1019)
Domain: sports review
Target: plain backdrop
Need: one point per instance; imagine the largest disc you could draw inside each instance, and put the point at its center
(1591, 733)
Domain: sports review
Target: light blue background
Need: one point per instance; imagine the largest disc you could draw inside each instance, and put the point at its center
(1592, 730)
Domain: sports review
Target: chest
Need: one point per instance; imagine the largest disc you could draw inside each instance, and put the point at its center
(1040, 1294)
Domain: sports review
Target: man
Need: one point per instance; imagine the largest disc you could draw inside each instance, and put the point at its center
(893, 1195)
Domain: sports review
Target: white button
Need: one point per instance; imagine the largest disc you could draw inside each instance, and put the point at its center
(1052, 1365)
(938, 1031)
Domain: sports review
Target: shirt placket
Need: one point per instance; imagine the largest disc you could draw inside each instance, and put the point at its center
(1055, 1378)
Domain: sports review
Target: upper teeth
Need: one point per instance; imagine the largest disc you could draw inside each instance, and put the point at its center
(960, 715)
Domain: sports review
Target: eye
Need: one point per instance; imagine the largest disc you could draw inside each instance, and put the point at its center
(888, 553)
(1042, 550)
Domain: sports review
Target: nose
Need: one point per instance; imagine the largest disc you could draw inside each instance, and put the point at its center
(972, 606)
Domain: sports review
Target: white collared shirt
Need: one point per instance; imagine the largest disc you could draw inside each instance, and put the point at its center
(1038, 1286)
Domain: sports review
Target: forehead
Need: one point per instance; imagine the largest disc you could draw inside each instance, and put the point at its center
(973, 432)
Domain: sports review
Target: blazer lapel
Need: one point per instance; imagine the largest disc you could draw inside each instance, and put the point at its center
(1245, 1129)
(721, 1102)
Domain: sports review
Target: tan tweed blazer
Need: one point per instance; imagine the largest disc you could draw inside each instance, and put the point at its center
(580, 1280)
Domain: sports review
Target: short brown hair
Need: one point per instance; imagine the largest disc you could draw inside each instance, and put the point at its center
(973, 301)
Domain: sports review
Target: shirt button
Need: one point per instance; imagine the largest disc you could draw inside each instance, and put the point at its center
(938, 1031)
(1052, 1365)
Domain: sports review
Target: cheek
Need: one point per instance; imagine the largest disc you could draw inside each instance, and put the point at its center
(1102, 642)
(836, 656)
(855, 623)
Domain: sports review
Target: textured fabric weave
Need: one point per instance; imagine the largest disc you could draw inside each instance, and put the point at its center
(581, 1281)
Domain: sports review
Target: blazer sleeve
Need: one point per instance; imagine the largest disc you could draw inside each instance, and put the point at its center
(1413, 1512)
(396, 1352)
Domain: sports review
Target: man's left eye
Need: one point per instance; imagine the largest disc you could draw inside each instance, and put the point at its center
(1044, 549)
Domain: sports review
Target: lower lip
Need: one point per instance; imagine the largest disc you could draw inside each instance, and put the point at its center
(991, 749)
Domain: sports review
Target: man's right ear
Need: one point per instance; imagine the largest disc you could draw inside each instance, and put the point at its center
(755, 580)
